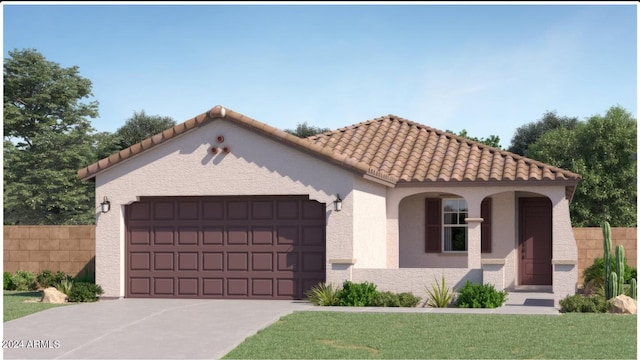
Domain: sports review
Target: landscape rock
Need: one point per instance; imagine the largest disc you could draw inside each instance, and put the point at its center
(53, 296)
(622, 304)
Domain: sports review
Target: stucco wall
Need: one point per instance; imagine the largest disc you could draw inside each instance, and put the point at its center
(369, 227)
(504, 235)
(184, 166)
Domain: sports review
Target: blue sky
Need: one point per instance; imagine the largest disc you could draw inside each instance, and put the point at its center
(485, 68)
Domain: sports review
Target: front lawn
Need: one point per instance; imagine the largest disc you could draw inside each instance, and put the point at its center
(331, 335)
(16, 307)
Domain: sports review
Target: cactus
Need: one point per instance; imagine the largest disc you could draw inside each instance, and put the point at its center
(633, 290)
(606, 232)
(620, 269)
(613, 284)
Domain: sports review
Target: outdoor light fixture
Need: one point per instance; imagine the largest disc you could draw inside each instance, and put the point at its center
(337, 204)
(106, 205)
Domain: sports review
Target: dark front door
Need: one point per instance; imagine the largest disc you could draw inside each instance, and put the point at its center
(233, 247)
(534, 247)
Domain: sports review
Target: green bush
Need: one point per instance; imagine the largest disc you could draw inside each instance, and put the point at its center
(85, 292)
(386, 299)
(480, 296)
(596, 271)
(357, 294)
(323, 295)
(48, 279)
(8, 281)
(583, 304)
(65, 286)
(24, 280)
(408, 299)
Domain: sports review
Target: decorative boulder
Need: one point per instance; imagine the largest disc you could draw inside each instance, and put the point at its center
(53, 296)
(622, 304)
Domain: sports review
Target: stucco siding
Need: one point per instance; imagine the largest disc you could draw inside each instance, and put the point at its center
(185, 166)
(369, 225)
(504, 240)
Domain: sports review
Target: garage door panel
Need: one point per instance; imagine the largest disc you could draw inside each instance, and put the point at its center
(188, 261)
(262, 210)
(262, 235)
(238, 210)
(213, 210)
(139, 261)
(262, 287)
(262, 261)
(163, 210)
(237, 287)
(267, 247)
(140, 285)
(163, 236)
(212, 235)
(237, 261)
(288, 235)
(163, 261)
(238, 236)
(188, 235)
(163, 286)
(188, 210)
(287, 261)
(213, 261)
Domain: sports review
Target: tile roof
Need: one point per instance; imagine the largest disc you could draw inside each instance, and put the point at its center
(389, 149)
(410, 152)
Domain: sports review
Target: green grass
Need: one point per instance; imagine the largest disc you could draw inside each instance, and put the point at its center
(16, 307)
(331, 335)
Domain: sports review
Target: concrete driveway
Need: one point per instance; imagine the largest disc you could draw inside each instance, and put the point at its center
(142, 329)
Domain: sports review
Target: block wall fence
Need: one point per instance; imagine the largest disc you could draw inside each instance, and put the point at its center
(72, 248)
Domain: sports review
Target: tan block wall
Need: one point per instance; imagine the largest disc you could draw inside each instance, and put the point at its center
(57, 248)
(589, 241)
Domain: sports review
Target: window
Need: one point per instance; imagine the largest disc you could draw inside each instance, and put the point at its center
(445, 228)
(454, 234)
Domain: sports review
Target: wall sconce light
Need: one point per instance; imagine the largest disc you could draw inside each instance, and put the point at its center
(105, 205)
(337, 204)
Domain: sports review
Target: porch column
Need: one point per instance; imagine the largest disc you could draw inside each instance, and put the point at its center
(474, 255)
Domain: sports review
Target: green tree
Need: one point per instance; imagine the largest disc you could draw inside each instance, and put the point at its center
(603, 151)
(304, 130)
(492, 140)
(141, 126)
(528, 134)
(47, 138)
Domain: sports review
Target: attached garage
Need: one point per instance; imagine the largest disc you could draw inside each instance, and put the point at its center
(233, 247)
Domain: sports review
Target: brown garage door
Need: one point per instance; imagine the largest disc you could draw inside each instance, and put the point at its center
(259, 247)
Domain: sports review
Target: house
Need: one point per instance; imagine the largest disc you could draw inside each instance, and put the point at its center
(224, 206)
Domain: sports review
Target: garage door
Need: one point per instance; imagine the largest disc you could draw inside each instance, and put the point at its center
(259, 247)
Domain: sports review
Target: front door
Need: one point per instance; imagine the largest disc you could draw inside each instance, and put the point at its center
(534, 247)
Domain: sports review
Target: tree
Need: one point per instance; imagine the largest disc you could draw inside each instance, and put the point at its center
(528, 134)
(303, 130)
(47, 138)
(492, 140)
(603, 151)
(140, 126)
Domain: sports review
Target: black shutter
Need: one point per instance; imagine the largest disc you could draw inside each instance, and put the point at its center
(433, 225)
(485, 235)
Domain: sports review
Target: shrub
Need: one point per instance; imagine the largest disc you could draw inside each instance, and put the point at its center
(323, 295)
(439, 294)
(8, 281)
(386, 299)
(480, 296)
(24, 280)
(357, 294)
(408, 299)
(596, 271)
(84, 292)
(65, 286)
(580, 303)
(48, 279)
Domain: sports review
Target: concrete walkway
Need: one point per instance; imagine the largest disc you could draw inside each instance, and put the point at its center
(183, 329)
